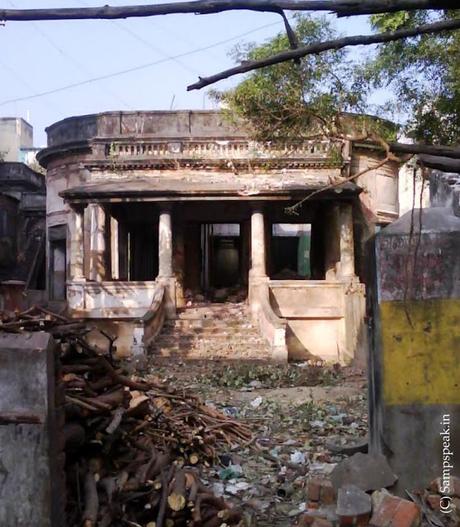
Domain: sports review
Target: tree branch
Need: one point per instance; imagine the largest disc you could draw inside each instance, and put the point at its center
(445, 164)
(320, 47)
(293, 209)
(204, 7)
(431, 150)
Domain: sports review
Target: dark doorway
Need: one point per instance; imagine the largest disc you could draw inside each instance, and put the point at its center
(221, 255)
(290, 251)
(57, 262)
(143, 252)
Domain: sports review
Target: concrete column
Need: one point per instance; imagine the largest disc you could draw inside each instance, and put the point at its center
(114, 249)
(77, 245)
(165, 262)
(97, 266)
(165, 247)
(332, 242)
(347, 253)
(258, 268)
(258, 280)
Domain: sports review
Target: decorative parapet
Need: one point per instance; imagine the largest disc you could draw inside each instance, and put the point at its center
(225, 153)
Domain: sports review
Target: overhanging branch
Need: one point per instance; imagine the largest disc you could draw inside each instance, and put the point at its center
(203, 7)
(320, 47)
(445, 164)
(430, 150)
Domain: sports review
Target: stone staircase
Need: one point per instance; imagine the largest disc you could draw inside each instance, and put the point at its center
(211, 331)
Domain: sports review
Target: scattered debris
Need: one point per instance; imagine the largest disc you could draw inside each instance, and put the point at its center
(366, 471)
(132, 445)
(353, 504)
(392, 510)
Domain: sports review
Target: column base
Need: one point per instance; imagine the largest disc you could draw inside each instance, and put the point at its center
(257, 287)
(169, 284)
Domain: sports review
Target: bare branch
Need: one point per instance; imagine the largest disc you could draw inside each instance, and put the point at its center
(204, 7)
(446, 164)
(294, 208)
(431, 150)
(320, 47)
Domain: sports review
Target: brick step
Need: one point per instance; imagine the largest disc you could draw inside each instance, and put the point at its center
(184, 339)
(190, 324)
(249, 354)
(214, 330)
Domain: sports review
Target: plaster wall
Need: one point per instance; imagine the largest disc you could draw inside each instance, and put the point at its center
(15, 133)
(380, 186)
(324, 318)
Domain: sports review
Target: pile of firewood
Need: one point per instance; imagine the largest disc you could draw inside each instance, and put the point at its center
(133, 446)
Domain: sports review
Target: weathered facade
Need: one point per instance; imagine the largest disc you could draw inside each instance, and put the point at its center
(22, 236)
(145, 209)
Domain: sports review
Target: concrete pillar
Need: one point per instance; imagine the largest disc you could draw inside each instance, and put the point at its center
(165, 247)
(258, 268)
(347, 252)
(331, 242)
(123, 249)
(97, 266)
(165, 261)
(32, 462)
(114, 249)
(258, 280)
(77, 252)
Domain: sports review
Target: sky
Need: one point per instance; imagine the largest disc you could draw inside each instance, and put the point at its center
(164, 54)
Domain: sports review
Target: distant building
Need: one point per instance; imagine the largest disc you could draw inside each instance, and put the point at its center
(22, 217)
(414, 192)
(16, 137)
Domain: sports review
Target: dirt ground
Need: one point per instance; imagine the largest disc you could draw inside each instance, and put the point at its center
(300, 415)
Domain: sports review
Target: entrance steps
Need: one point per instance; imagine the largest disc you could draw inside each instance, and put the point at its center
(211, 331)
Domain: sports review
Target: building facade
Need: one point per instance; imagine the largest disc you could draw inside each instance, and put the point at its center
(16, 138)
(147, 211)
(22, 236)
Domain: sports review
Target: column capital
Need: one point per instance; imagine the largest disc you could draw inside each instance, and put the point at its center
(165, 207)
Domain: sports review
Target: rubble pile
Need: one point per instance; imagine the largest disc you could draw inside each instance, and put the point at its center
(133, 446)
(350, 506)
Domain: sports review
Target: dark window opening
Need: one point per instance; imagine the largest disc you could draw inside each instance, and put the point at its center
(58, 262)
(290, 251)
(143, 252)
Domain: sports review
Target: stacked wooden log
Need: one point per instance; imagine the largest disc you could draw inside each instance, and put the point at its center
(133, 445)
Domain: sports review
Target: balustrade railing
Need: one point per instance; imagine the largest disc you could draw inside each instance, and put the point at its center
(218, 149)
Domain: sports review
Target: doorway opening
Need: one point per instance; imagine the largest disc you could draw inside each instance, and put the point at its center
(221, 256)
(57, 262)
(290, 251)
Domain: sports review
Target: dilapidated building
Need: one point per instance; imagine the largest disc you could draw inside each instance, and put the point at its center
(22, 236)
(159, 223)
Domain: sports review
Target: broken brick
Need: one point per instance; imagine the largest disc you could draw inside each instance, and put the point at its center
(314, 489)
(433, 501)
(396, 512)
(353, 506)
(321, 522)
(327, 495)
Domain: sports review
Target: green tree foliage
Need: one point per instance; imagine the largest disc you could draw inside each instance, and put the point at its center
(296, 99)
(424, 74)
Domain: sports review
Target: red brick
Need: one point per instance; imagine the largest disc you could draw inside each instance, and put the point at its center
(363, 520)
(347, 521)
(314, 489)
(433, 501)
(320, 522)
(396, 512)
(383, 515)
(305, 520)
(407, 515)
(455, 487)
(328, 495)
